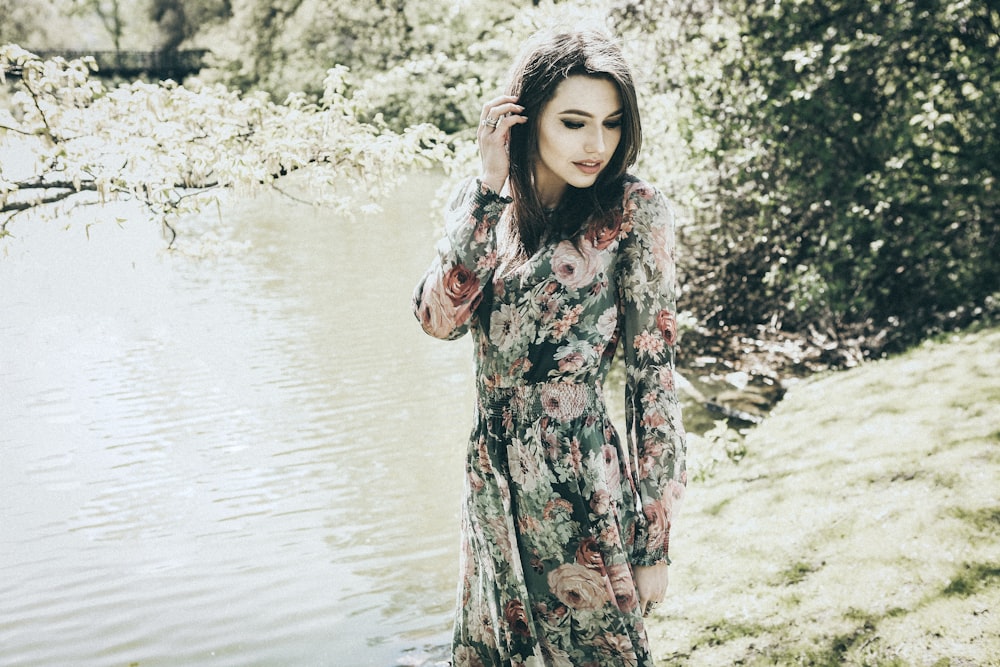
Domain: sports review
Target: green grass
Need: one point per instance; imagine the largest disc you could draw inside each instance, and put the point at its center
(985, 519)
(725, 631)
(972, 578)
(859, 528)
(796, 574)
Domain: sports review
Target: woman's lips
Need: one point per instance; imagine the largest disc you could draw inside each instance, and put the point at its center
(589, 167)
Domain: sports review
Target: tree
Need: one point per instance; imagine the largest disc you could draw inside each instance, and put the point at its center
(858, 159)
(171, 19)
(179, 20)
(20, 21)
(110, 12)
(166, 145)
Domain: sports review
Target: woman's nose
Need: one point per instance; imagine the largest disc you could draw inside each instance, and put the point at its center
(596, 142)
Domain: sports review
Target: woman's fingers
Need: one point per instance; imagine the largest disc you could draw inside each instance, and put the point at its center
(498, 109)
(501, 110)
(500, 118)
(497, 102)
(493, 135)
(511, 119)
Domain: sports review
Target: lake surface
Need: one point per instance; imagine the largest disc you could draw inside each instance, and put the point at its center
(243, 452)
(250, 456)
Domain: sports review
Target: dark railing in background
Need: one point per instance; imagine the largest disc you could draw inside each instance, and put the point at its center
(159, 64)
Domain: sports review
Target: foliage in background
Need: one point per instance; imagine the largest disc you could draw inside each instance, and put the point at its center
(163, 143)
(857, 149)
(22, 21)
(111, 15)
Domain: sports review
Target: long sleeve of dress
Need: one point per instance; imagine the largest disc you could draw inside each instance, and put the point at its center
(655, 434)
(447, 296)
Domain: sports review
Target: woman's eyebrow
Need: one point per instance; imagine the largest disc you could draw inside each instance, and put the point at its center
(587, 114)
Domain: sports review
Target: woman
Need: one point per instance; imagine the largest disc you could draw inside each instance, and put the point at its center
(551, 256)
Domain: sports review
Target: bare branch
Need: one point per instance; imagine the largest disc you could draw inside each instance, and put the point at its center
(26, 80)
(18, 130)
(39, 184)
(288, 195)
(18, 206)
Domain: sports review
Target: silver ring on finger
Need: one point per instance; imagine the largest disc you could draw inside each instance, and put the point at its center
(491, 122)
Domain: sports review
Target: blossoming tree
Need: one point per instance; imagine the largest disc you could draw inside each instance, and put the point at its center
(168, 145)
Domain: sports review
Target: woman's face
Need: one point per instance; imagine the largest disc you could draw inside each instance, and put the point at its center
(578, 132)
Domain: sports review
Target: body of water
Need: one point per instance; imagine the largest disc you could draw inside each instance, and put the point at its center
(251, 456)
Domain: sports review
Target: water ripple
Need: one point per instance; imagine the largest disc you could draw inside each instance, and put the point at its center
(238, 460)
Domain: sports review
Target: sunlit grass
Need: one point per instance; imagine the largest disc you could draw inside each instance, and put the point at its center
(862, 526)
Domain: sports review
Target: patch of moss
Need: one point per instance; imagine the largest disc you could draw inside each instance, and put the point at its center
(947, 480)
(896, 611)
(717, 508)
(721, 632)
(984, 520)
(860, 647)
(974, 577)
(832, 654)
(865, 466)
(796, 573)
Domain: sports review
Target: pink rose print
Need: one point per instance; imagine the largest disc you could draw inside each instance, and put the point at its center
(589, 555)
(437, 313)
(611, 467)
(578, 587)
(517, 618)
(600, 502)
(607, 322)
(662, 242)
(657, 526)
(648, 344)
(623, 585)
(666, 322)
(573, 268)
(605, 232)
(460, 284)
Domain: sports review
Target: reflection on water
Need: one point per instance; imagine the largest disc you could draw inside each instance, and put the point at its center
(252, 457)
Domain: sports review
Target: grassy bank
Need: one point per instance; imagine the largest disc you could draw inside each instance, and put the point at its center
(861, 528)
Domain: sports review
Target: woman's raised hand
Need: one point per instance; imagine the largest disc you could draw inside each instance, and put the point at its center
(498, 116)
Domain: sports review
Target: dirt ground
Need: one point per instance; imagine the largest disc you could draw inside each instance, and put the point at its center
(862, 527)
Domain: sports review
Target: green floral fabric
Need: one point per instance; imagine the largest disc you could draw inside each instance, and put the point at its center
(557, 510)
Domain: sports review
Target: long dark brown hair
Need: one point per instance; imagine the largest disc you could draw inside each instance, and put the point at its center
(546, 62)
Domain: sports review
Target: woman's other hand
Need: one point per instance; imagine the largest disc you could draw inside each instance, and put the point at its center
(651, 583)
(498, 116)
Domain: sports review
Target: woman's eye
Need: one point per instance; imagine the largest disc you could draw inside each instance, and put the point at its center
(572, 124)
(613, 124)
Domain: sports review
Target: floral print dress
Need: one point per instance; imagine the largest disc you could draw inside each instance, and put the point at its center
(557, 511)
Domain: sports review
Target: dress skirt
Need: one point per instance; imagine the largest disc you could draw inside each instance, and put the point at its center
(545, 574)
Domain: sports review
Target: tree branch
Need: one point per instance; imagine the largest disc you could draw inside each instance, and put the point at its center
(26, 80)
(39, 184)
(18, 206)
(17, 129)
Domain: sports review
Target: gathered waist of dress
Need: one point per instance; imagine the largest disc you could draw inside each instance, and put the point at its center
(560, 400)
